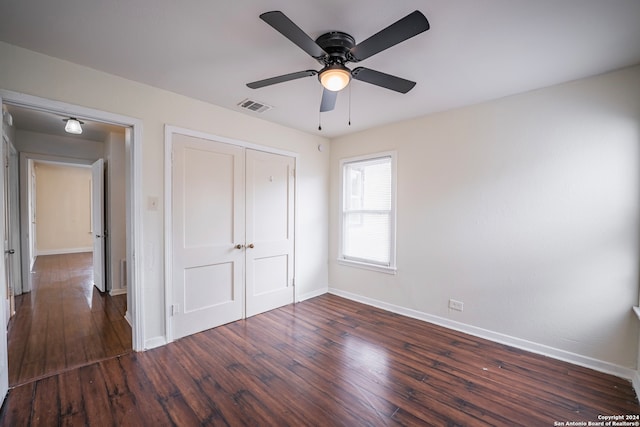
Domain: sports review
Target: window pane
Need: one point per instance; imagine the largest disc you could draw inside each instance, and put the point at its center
(377, 186)
(368, 184)
(366, 237)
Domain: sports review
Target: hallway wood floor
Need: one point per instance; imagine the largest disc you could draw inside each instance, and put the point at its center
(326, 361)
(64, 322)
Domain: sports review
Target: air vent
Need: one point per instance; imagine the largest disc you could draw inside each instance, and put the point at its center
(255, 106)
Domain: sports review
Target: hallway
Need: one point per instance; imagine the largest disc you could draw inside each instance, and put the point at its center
(65, 321)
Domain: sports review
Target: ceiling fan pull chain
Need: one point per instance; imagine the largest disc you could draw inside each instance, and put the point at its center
(349, 105)
(319, 121)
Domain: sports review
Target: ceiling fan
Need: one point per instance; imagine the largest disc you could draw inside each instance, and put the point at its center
(334, 49)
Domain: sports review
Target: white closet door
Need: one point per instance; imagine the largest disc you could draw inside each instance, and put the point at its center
(269, 226)
(208, 224)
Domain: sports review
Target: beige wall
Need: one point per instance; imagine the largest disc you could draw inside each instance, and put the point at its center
(40, 75)
(525, 209)
(63, 209)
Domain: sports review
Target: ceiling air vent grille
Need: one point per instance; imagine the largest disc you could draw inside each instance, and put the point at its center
(255, 106)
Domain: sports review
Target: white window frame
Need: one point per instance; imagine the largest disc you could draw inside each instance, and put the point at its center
(391, 268)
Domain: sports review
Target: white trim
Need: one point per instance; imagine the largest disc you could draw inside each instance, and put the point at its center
(566, 356)
(312, 294)
(118, 291)
(635, 382)
(169, 131)
(168, 234)
(134, 197)
(367, 266)
(154, 342)
(63, 251)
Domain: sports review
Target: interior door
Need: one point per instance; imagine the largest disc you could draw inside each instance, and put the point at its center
(97, 223)
(208, 234)
(270, 193)
(32, 220)
(14, 223)
(9, 251)
(4, 367)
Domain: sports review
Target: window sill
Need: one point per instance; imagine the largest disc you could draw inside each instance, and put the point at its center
(365, 266)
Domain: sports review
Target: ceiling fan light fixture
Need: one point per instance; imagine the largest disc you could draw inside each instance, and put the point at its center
(335, 77)
(73, 125)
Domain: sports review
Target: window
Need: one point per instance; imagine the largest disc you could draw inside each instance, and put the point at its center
(367, 237)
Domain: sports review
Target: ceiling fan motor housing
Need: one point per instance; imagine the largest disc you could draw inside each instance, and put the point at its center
(337, 44)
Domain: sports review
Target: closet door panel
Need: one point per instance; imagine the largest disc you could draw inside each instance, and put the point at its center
(270, 189)
(208, 224)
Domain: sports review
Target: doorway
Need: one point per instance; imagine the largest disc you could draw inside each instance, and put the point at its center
(61, 320)
(131, 170)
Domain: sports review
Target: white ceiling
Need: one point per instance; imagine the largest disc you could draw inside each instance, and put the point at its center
(475, 50)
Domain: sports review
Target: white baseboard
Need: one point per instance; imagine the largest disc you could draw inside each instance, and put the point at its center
(636, 384)
(154, 342)
(127, 317)
(566, 356)
(117, 291)
(64, 251)
(312, 294)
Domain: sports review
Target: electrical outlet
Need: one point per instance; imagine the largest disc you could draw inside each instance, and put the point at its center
(456, 305)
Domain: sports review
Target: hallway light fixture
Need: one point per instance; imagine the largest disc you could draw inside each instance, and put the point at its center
(73, 125)
(335, 77)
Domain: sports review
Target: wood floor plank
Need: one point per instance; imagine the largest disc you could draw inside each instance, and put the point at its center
(71, 403)
(95, 396)
(147, 403)
(46, 406)
(327, 361)
(18, 406)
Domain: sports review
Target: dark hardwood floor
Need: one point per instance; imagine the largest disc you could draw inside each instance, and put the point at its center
(326, 361)
(64, 322)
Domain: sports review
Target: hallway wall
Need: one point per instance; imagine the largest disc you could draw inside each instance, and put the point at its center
(63, 209)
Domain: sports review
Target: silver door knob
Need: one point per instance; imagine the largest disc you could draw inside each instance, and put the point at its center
(10, 251)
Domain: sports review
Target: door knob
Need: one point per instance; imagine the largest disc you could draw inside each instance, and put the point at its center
(10, 251)
(251, 246)
(238, 246)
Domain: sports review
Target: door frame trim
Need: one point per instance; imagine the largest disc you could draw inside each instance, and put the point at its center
(169, 131)
(133, 144)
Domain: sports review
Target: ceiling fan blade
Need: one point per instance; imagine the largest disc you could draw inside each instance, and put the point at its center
(281, 79)
(287, 28)
(407, 27)
(383, 80)
(328, 102)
